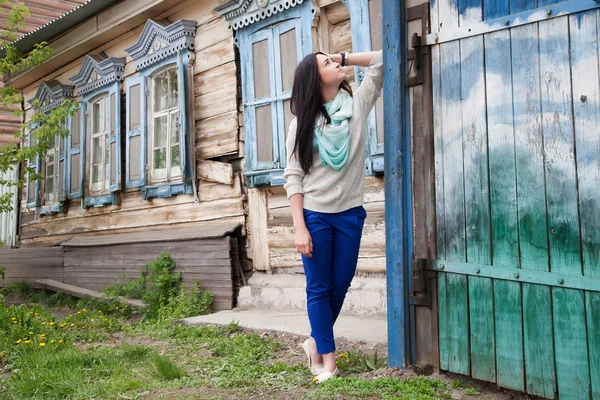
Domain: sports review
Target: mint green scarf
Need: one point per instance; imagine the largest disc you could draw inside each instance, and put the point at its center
(333, 141)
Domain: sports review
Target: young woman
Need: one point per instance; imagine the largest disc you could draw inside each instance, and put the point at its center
(325, 186)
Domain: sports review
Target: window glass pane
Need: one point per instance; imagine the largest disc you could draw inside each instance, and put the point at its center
(161, 90)
(174, 127)
(106, 159)
(260, 59)
(113, 113)
(173, 99)
(95, 174)
(159, 164)
(75, 130)
(51, 143)
(175, 161)
(134, 107)
(160, 131)
(288, 116)
(97, 150)
(264, 134)
(31, 190)
(50, 184)
(96, 119)
(289, 58)
(375, 18)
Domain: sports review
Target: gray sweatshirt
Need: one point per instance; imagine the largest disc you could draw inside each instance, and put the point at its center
(326, 190)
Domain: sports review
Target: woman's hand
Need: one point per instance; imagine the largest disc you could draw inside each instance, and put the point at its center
(304, 242)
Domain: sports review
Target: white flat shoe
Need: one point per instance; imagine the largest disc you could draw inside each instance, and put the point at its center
(325, 375)
(314, 369)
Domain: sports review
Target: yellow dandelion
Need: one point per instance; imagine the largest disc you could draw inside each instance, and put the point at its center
(84, 310)
(14, 322)
(13, 318)
(92, 319)
(42, 344)
(99, 311)
(27, 341)
(43, 323)
(18, 341)
(117, 307)
(315, 379)
(35, 314)
(51, 324)
(78, 312)
(31, 333)
(52, 341)
(59, 340)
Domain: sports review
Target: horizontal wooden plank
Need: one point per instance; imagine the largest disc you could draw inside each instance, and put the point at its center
(142, 218)
(216, 103)
(341, 37)
(174, 248)
(53, 240)
(82, 292)
(211, 33)
(215, 55)
(210, 191)
(215, 79)
(337, 12)
(215, 171)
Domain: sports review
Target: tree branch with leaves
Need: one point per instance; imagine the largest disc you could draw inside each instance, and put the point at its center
(45, 127)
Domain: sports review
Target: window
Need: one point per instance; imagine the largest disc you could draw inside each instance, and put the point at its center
(366, 16)
(95, 141)
(158, 150)
(165, 155)
(270, 50)
(49, 193)
(100, 149)
(51, 174)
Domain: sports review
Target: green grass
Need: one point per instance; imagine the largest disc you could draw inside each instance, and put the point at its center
(420, 388)
(95, 351)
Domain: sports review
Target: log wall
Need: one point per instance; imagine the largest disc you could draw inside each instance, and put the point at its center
(217, 138)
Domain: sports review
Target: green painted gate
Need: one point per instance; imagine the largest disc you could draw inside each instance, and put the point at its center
(516, 94)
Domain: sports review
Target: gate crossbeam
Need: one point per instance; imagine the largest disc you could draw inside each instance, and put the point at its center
(516, 274)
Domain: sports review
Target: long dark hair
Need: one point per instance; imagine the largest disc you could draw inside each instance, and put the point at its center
(307, 105)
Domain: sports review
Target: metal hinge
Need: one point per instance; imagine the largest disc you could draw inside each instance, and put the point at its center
(418, 51)
(420, 294)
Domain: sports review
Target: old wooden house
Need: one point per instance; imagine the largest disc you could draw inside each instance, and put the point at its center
(178, 143)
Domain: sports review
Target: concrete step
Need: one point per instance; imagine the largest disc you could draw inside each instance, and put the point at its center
(366, 297)
(356, 329)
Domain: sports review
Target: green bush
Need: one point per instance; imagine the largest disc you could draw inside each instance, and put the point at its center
(162, 291)
(187, 303)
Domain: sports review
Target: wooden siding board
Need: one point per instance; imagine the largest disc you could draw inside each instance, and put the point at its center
(503, 196)
(584, 61)
(455, 352)
(572, 365)
(537, 315)
(477, 211)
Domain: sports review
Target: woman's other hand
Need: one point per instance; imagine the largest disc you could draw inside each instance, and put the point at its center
(304, 242)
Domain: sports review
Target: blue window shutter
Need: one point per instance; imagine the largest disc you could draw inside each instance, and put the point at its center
(114, 96)
(75, 158)
(33, 187)
(136, 129)
(184, 135)
(62, 167)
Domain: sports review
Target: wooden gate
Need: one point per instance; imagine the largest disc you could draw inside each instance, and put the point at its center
(516, 97)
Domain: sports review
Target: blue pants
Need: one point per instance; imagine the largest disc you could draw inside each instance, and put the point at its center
(336, 242)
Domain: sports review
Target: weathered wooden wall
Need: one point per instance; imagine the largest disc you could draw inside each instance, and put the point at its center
(273, 239)
(206, 260)
(31, 264)
(217, 135)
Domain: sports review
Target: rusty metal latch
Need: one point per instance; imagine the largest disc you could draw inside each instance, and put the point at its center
(418, 51)
(420, 294)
